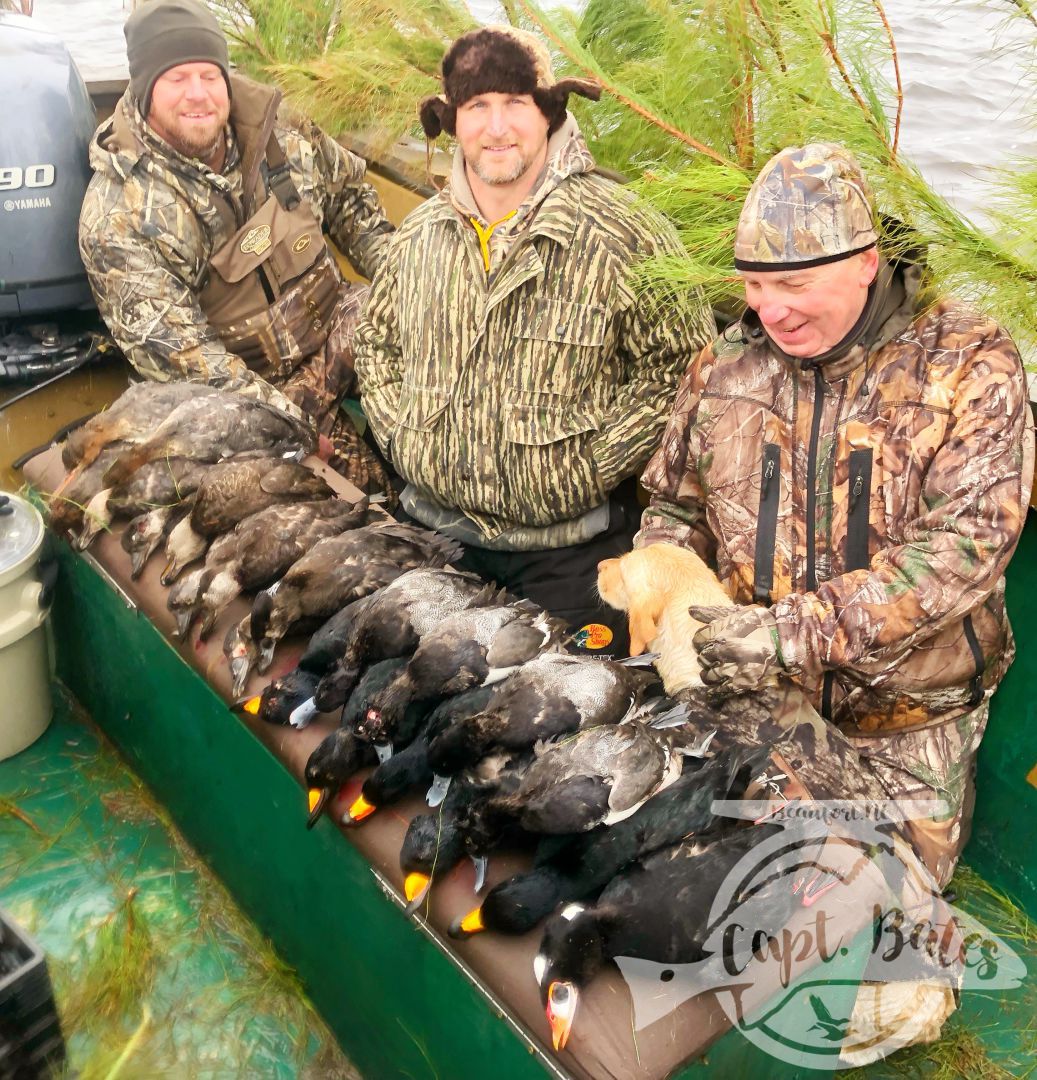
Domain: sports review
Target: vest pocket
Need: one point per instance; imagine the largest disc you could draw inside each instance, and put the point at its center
(561, 345)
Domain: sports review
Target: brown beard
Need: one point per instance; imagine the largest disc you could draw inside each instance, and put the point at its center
(193, 148)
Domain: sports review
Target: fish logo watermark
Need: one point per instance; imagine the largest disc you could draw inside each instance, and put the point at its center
(829, 945)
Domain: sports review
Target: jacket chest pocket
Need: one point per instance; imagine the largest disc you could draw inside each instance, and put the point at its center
(560, 346)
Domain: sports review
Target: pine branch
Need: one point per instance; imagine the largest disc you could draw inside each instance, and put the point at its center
(896, 75)
(610, 88)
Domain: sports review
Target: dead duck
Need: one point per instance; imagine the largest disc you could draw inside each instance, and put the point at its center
(280, 700)
(266, 545)
(337, 758)
(143, 535)
(213, 427)
(601, 775)
(334, 760)
(679, 886)
(231, 491)
(409, 768)
(554, 694)
(338, 570)
(159, 484)
(476, 647)
(186, 594)
(133, 415)
(412, 605)
(589, 860)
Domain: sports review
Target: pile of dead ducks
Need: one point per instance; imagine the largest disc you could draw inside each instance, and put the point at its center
(444, 682)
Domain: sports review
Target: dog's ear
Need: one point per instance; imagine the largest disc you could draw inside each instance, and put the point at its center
(644, 615)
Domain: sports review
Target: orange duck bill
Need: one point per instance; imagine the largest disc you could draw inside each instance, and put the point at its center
(468, 925)
(562, 998)
(317, 799)
(358, 810)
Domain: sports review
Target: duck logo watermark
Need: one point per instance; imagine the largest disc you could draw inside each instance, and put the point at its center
(829, 945)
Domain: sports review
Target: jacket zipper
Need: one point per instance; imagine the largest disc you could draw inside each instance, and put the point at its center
(857, 514)
(811, 508)
(767, 525)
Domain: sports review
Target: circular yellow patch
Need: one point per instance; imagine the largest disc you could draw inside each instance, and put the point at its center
(594, 636)
(301, 244)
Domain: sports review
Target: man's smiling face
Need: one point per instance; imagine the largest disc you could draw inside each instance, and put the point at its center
(808, 312)
(190, 105)
(502, 137)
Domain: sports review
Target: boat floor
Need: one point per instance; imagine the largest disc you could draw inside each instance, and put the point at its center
(153, 964)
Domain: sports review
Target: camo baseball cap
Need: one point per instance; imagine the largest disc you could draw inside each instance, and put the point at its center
(810, 205)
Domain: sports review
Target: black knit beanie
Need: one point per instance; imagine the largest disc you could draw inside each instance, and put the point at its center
(505, 60)
(162, 34)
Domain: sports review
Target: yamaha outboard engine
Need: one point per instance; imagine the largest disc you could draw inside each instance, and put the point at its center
(48, 120)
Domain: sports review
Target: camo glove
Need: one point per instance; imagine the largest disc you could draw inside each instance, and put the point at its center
(737, 648)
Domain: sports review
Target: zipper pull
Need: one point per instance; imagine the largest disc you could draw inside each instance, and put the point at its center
(858, 488)
(768, 473)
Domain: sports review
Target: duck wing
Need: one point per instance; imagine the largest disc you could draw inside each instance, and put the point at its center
(290, 480)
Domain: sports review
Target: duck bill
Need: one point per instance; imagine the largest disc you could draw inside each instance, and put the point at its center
(138, 560)
(317, 799)
(359, 810)
(468, 926)
(415, 888)
(207, 624)
(437, 793)
(171, 572)
(240, 668)
(302, 715)
(183, 623)
(266, 654)
(561, 1011)
(251, 705)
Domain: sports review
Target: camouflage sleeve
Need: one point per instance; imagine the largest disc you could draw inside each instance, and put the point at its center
(153, 314)
(971, 511)
(377, 362)
(676, 513)
(353, 215)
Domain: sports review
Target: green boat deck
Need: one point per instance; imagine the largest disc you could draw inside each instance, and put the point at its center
(398, 1003)
(154, 966)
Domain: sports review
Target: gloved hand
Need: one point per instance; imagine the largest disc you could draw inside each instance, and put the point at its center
(737, 648)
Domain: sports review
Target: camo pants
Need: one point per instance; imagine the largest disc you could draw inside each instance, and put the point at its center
(914, 765)
(319, 383)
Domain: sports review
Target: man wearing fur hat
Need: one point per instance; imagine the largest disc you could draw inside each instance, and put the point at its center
(509, 367)
(856, 462)
(202, 231)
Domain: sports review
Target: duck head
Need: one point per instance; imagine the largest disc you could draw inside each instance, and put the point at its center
(571, 954)
(335, 687)
(432, 845)
(183, 546)
(268, 623)
(385, 710)
(143, 535)
(330, 765)
(457, 747)
(218, 594)
(184, 598)
(96, 518)
(241, 653)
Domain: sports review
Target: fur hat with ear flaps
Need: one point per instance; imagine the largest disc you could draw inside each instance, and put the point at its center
(503, 60)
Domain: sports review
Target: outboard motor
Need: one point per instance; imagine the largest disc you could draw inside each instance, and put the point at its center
(44, 140)
(45, 134)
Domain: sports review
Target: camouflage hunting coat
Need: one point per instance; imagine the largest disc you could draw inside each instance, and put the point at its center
(152, 220)
(521, 389)
(873, 501)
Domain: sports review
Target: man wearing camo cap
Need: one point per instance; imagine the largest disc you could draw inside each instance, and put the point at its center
(857, 466)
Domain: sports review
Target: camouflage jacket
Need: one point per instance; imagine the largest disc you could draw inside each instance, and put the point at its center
(523, 395)
(874, 501)
(150, 225)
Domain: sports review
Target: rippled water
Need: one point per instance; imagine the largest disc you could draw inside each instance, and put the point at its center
(962, 64)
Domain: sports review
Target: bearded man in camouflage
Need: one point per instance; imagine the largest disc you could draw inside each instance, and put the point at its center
(508, 365)
(202, 232)
(856, 463)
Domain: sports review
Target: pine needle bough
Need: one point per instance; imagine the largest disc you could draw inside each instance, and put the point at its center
(697, 96)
